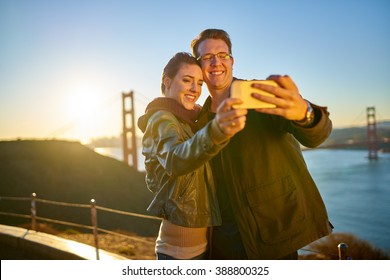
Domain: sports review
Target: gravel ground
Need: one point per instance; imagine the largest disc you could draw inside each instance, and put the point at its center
(134, 247)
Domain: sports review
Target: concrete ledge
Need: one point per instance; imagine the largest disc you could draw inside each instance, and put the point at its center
(49, 246)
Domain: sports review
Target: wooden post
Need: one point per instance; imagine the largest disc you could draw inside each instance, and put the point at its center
(33, 212)
(95, 226)
(343, 250)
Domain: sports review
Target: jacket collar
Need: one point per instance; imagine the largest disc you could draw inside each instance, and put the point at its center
(170, 105)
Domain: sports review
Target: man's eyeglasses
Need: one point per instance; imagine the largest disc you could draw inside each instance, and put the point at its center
(210, 56)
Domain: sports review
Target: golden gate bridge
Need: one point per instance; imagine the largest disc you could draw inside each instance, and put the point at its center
(372, 142)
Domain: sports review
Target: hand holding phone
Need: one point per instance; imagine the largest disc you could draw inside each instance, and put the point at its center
(243, 90)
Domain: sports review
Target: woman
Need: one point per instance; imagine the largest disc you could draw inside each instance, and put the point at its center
(177, 171)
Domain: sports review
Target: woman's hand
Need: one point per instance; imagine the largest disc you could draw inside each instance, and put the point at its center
(230, 120)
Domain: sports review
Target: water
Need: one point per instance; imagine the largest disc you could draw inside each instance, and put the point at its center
(356, 190)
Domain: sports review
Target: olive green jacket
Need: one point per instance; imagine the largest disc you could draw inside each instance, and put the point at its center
(178, 171)
(276, 204)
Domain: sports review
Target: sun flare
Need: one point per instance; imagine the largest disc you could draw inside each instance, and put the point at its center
(82, 102)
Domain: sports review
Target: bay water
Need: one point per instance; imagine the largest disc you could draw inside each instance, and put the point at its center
(356, 192)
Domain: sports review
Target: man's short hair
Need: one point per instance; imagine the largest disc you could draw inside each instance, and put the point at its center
(210, 34)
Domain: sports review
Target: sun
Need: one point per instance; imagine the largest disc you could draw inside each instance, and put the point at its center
(82, 102)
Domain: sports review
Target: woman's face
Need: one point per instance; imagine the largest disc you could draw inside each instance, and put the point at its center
(186, 86)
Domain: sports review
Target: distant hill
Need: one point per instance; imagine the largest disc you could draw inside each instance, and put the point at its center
(357, 134)
(70, 172)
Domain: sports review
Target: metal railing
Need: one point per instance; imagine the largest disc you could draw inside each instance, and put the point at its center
(94, 220)
(342, 247)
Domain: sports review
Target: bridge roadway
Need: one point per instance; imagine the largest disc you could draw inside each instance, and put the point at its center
(22, 244)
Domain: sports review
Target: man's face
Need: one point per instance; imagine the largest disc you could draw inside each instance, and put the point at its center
(217, 72)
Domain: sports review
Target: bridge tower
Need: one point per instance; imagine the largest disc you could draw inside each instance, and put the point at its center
(372, 136)
(128, 117)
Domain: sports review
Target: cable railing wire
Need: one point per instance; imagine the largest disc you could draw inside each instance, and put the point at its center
(318, 252)
(126, 213)
(63, 203)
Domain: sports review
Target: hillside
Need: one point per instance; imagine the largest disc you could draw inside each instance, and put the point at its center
(357, 134)
(70, 172)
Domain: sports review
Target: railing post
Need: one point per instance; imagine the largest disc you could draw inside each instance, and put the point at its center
(343, 248)
(95, 226)
(33, 212)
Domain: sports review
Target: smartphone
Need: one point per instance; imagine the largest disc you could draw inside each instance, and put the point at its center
(243, 90)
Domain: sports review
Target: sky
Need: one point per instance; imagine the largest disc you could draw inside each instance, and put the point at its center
(65, 64)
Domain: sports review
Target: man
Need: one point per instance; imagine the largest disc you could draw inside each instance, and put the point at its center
(270, 204)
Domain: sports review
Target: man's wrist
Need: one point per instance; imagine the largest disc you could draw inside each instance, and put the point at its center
(309, 116)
